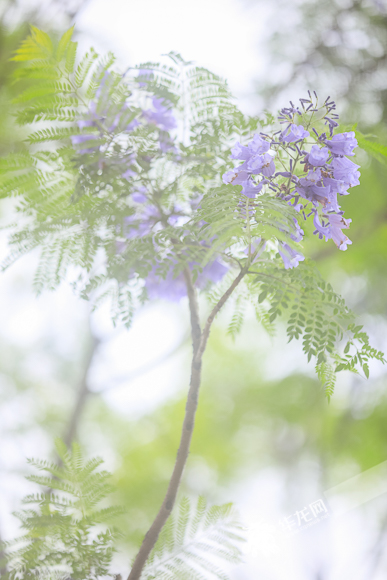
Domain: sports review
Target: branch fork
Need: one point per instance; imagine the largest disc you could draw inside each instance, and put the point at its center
(199, 342)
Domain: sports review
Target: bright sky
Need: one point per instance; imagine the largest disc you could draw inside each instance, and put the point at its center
(222, 35)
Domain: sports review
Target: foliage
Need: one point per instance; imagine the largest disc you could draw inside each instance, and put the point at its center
(131, 206)
(77, 207)
(325, 369)
(67, 534)
(373, 148)
(193, 540)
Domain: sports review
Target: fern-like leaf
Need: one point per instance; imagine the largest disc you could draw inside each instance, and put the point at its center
(326, 374)
(65, 535)
(237, 318)
(38, 46)
(377, 150)
(194, 542)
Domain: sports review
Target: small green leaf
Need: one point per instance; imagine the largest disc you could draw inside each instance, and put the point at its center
(70, 57)
(37, 45)
(340, 367)
(320, 358)
(64, 43)
(376, 150)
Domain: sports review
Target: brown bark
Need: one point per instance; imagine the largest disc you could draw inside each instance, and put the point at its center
(199, 341)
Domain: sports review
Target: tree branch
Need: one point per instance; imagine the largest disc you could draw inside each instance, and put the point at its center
(194, 311)
(118, 380)
(199, 341)
(82, 394)
(215, 310)
(186, 435)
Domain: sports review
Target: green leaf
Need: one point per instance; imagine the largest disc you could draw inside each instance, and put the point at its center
(53, 134)
(326, 374)
(70, 57)
(357, 329)
(376, 150)
(84, 67)
(194, 542)
(36, 46)
(340, 367)
(65, 532)
(366, 370)
(64, 43)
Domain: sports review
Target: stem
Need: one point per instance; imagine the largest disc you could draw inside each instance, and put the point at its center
(217, 307)
(248, 225)
(199, 341)
(185, 441)
(194, 311)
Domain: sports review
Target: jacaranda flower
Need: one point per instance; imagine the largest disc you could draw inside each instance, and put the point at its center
(317, 157)
(327, 173)
(342, 143)
(262, 164)
(250, 189)
(338, 223)
(258, 146)
(345, 170)
(296, 133)
(290, 257)
(173, 287)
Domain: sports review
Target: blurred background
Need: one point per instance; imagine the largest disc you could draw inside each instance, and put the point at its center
(265, 436)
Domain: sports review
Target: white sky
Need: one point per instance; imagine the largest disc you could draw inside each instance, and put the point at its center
(222, 35)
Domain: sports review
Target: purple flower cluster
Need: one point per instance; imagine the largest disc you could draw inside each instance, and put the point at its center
(303, 167)
(101, 119)
(173, 287)
(160, 115)
(104, 120)
(257, 161)
(146, 220)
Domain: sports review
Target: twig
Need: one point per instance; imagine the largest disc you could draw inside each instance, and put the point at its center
(217, 307)
(143, 369)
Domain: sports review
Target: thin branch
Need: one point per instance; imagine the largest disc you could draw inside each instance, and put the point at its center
(82, 394)
(199, 341)
(194, 311)
(215, 310)
(143, 369)
(185, 441)
(83, 391)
